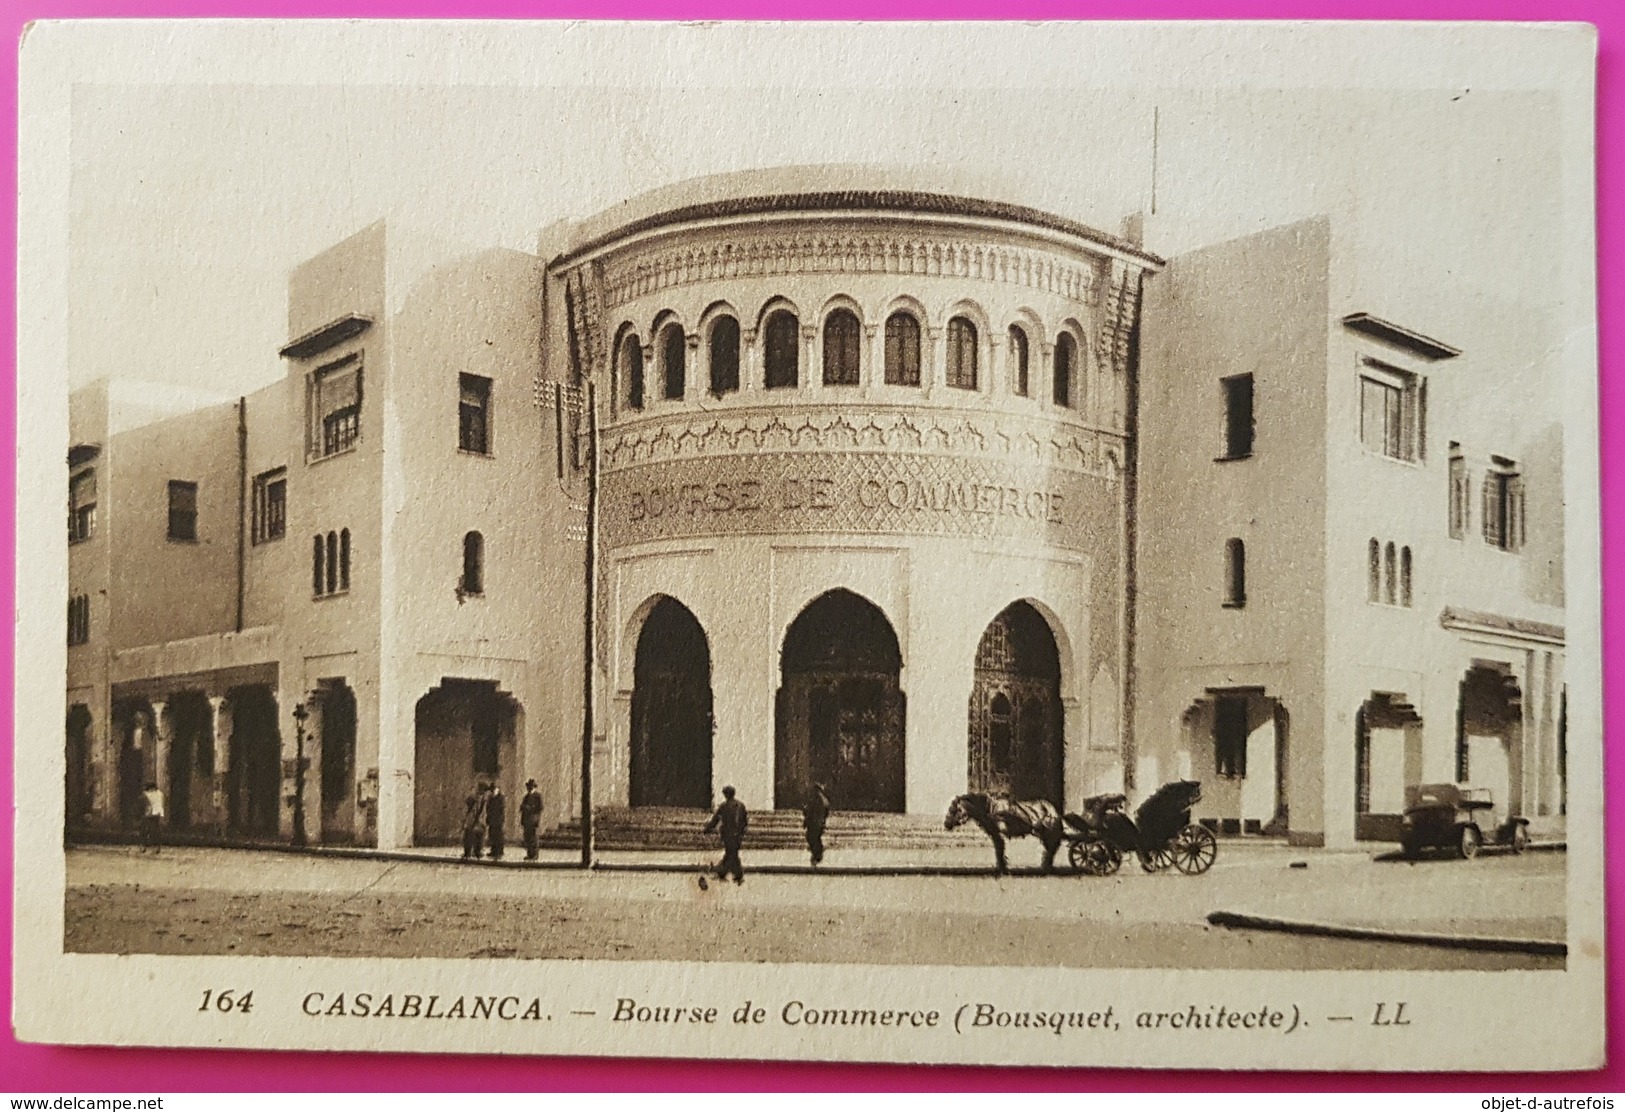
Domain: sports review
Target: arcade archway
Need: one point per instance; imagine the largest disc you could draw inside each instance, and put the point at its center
(841, 708)
(1016, 726)
(670, 762)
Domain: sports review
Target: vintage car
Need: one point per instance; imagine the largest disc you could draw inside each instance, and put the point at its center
(1457, 817)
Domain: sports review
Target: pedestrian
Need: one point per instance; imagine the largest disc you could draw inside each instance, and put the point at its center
(496, 813)
(530, 817)
(474, 823)
(152, 816)
(730, 821)
(813, 818)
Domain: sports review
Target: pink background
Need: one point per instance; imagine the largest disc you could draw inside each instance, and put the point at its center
(25, 1068)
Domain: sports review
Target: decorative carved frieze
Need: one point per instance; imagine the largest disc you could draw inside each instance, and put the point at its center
(1119, 310)
(650, 272)
(1005, 438)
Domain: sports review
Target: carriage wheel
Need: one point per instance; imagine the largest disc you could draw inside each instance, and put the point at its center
(1105, 857)
(1151, 860)
(1194, 850)
(1078, 854)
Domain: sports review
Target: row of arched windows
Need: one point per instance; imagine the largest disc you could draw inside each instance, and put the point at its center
(903, 354)
(330, 563)
(1388, 573)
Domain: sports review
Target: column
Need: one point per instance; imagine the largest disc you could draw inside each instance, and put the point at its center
(932, 360)
(744, 686)
(1041, 377)
(998, 368)
(397, 750)
(158, 768)
(874, 363)
(697, 376)
(812, 374)
(220, 725)
(750, 363)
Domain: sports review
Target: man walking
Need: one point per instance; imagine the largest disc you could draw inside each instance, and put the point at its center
(730, 820)
(152, 816)
(474, 823)
(813, 818)
(530, 817)
(496, 812)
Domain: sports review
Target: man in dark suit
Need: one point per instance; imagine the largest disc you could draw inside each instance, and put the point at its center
(814, 816)
(530, 817)
(730, 821)
(496, 810)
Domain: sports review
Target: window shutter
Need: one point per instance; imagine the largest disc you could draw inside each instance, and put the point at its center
(1487, 500)
(1515, 516)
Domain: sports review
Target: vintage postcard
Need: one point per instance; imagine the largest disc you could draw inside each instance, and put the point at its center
(1043, 544)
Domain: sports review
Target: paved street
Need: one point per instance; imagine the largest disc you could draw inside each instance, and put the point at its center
(221, 901)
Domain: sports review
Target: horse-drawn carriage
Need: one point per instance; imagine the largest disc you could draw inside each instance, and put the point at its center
(1161, 833)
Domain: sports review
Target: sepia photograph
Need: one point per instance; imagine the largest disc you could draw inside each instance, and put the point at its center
(1043, 543)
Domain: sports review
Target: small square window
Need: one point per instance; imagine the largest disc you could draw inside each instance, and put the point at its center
(1503, 509)
(1238, 416)
(82, 505)
(1393, 412)
(474, 414)
(334, 401)
(270, 509)
(182, 511)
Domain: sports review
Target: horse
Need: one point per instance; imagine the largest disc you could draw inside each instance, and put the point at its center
(1002, 818)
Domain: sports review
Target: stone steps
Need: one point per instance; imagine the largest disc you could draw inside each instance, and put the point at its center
(669, 828)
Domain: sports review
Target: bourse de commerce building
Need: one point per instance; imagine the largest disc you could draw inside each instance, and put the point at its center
(905, 492)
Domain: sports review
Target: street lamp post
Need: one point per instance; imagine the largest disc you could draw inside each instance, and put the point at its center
(300, 714)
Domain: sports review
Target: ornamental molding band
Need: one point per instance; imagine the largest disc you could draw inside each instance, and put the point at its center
(650, 272)
(793, 493)
(1045, 444)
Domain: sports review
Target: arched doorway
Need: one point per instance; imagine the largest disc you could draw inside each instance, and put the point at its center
(671, 711)
(1489, 736)
(253, 803)
(77, 800)
(1016, 720)
(132, 726)
(466, 733)
(191, 758)
(841, 708)
(338, 761)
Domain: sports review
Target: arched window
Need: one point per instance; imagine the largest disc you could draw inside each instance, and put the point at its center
(332, 583)
(673, 350)
(632, 371)
(344, 559)
(724, 356)
(1235, 573)
(1405, 576)
(318, 576)
(1373, 590)
(1018, 361)
(1388, 573)
(902, 350)
(783, 344)
(473, 564)
(841, 333)
(1066, 359)
(962, 354)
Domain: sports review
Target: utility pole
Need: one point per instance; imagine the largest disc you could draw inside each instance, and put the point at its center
(591, 624)
(575, 416)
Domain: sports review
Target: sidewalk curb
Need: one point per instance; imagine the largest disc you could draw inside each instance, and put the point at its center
(1240, 921)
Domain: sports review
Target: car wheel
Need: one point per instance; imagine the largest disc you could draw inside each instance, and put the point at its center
(1468, 843)
(1411, 848)
(1520, 837)
(1107, 858)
